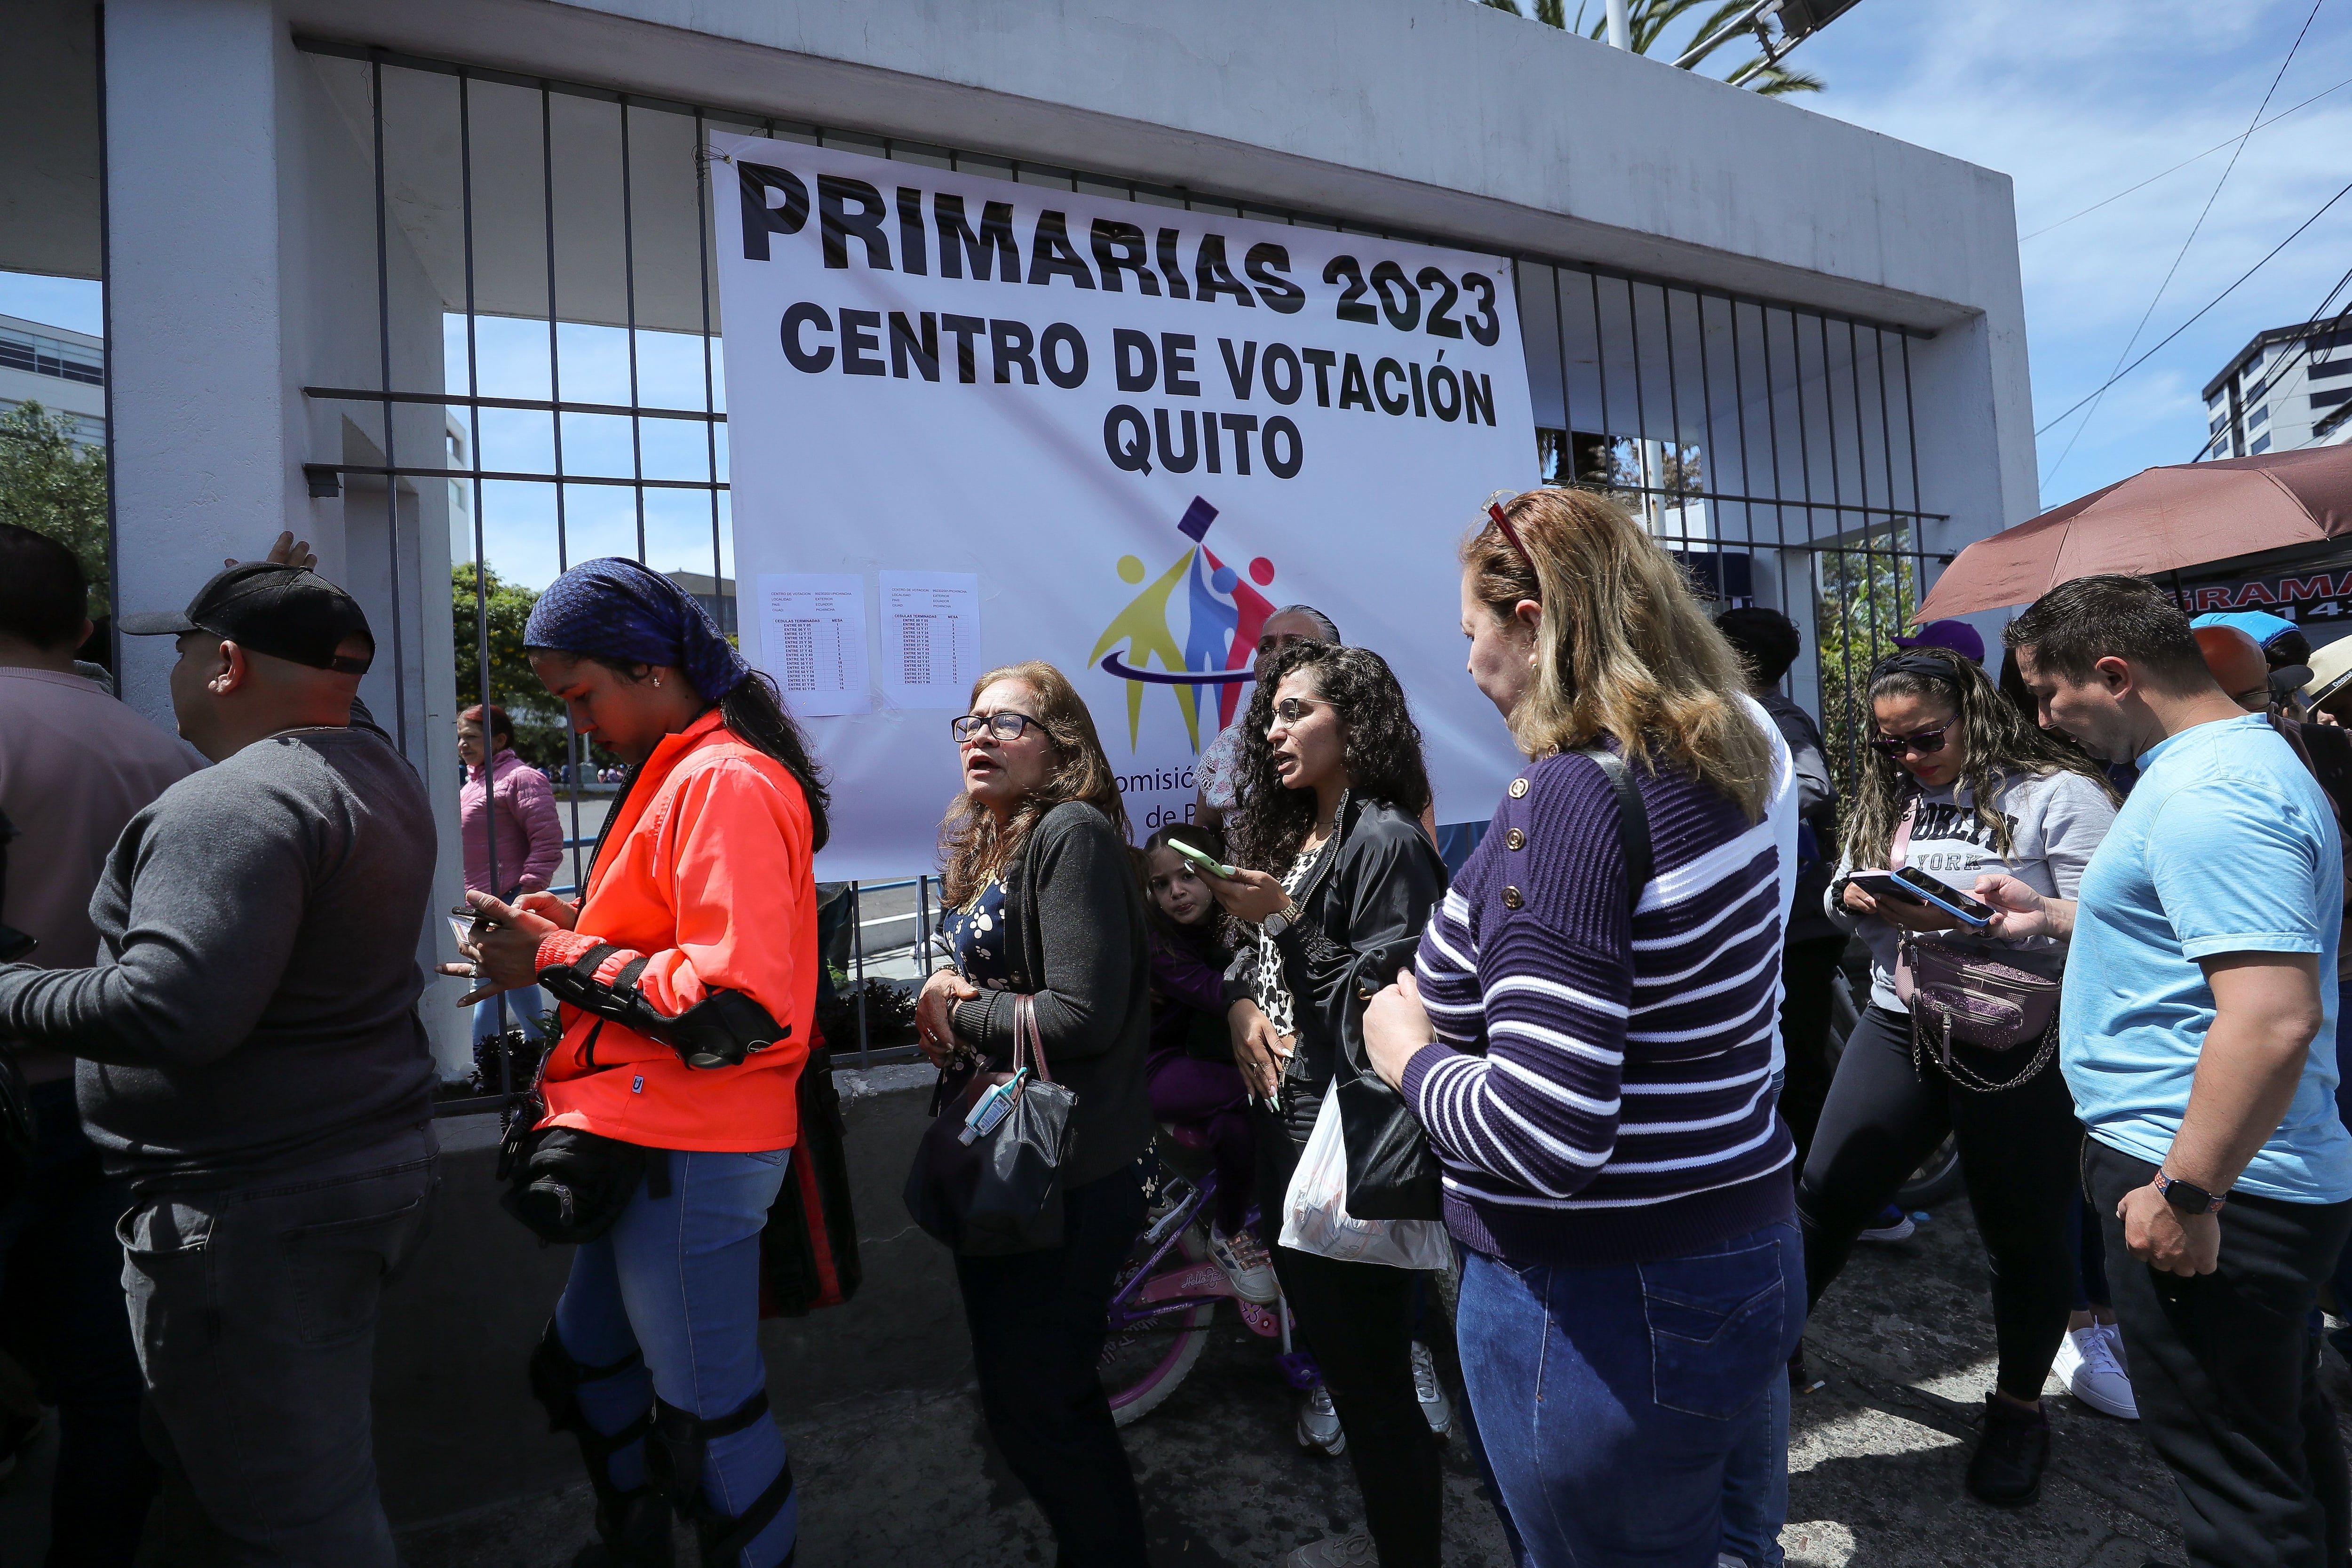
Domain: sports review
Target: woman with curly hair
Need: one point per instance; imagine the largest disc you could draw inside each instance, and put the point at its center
(1958, 783)
(1041, 900)
(1338, 880)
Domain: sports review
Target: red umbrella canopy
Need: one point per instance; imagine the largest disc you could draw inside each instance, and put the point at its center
(2160, 520)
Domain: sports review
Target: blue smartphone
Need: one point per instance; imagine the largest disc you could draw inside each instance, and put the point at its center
(1919, 888)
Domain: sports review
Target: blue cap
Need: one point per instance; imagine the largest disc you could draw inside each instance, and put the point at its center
(2260, 625)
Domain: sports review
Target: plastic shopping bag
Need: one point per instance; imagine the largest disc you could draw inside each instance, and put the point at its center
(1315, 1215)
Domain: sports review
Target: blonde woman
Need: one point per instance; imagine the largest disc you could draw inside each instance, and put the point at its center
(1042, 900)
(1591, 1050)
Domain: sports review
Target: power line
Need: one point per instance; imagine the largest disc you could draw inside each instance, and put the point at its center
(2194, 230)
(2209, 151)
(2209, 304)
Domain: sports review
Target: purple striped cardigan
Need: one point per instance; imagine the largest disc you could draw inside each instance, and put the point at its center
(1599, 1091)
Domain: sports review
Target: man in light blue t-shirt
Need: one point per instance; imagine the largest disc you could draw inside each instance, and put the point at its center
(2198, 1035)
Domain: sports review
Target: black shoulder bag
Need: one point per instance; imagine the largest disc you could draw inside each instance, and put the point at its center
(1393, 1173)
(987, 1177)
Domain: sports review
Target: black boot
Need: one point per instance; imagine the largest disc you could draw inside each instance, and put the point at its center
(2006, 1469)
(632, 1526)
(632, 1531)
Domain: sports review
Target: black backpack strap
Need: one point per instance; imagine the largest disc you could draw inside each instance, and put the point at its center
(1633, 820)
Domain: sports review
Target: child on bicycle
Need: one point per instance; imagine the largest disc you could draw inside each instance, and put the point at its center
(1190, 1066)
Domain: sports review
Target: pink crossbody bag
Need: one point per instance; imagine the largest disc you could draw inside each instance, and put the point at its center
(1957, 996)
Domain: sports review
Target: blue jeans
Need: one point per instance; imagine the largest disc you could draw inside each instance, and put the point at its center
(1609, 1400)
(1756, 1482)
(523, 1010)
(677, 1280)
(1755, 1473)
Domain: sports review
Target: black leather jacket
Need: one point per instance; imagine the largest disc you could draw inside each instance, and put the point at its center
(1362, 911)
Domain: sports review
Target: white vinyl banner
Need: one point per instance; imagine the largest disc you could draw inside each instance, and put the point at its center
(974, 422)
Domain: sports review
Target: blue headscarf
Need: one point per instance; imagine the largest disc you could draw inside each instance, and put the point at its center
(612, 607)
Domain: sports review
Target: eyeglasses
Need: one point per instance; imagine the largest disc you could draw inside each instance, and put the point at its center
(1008, 726)
(1291, 709)
(1927, 742)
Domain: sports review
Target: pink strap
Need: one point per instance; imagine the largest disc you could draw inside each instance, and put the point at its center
(1894, 851)
(1024, 1032)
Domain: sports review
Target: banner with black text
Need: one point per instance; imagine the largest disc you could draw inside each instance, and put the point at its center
(973, 422)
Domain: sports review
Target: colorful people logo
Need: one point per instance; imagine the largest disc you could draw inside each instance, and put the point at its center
(1223, 617)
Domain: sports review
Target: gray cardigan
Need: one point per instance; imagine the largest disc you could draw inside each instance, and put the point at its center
(1079, 945)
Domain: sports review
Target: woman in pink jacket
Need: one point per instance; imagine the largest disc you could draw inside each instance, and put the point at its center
(514, 840)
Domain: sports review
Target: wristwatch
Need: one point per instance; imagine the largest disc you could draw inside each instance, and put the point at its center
(1281, 921)
(2187, 1196)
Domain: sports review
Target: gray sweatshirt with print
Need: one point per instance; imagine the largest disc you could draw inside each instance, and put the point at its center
(2055, 821)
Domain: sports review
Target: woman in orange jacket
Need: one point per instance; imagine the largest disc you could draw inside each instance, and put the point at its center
(687, 976)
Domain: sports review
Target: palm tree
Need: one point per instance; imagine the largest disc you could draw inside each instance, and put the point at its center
(1648, 22)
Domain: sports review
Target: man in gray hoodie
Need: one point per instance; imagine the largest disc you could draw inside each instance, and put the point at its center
(252, 1063)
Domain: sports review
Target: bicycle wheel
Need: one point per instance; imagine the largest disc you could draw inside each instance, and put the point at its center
(1142, 1367)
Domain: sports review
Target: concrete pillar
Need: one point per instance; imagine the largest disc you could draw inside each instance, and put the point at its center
(241, 269)
(202, 469)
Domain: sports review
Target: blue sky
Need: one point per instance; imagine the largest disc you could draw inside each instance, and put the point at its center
(2079, 100)
(2075, 101)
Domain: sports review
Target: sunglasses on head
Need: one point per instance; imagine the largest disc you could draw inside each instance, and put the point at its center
(1927, 742)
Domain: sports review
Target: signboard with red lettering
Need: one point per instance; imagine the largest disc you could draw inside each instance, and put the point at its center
(2316, 592)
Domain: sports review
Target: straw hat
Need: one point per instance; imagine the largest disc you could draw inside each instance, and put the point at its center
(2331, 670)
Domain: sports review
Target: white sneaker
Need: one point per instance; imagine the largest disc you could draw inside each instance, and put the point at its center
(1892, 1225)
(1336, 1552)
(1435, 1408)
(1246, 1265)
(2086, 1364)
(1318, 1426)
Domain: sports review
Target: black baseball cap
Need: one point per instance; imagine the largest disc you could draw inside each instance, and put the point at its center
(287, 611)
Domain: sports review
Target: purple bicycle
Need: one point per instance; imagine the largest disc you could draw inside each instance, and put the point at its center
(1168, 1289)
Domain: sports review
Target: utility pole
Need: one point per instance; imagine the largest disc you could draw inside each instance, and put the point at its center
(1620, 36)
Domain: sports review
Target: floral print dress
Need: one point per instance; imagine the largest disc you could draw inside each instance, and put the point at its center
(976, 933)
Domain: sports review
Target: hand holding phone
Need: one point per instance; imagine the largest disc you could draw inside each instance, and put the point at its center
(1914, 886)
(1204, 859)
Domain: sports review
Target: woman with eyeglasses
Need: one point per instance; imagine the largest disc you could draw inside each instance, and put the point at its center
(1957, 784)
(1337, 881)
(1041, 899)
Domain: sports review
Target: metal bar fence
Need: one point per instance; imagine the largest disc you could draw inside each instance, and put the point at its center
(1771, 500)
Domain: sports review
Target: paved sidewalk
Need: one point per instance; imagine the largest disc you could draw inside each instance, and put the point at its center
(1876, 1457)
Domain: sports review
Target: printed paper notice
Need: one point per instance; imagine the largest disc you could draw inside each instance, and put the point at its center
(812, 632)
(930, 638)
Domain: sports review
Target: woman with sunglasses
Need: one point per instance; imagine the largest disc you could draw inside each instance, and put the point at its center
(1956, 782)
(1338, 880)
(1041, 900)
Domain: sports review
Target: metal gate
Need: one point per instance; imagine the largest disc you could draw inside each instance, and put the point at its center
(563, 236)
